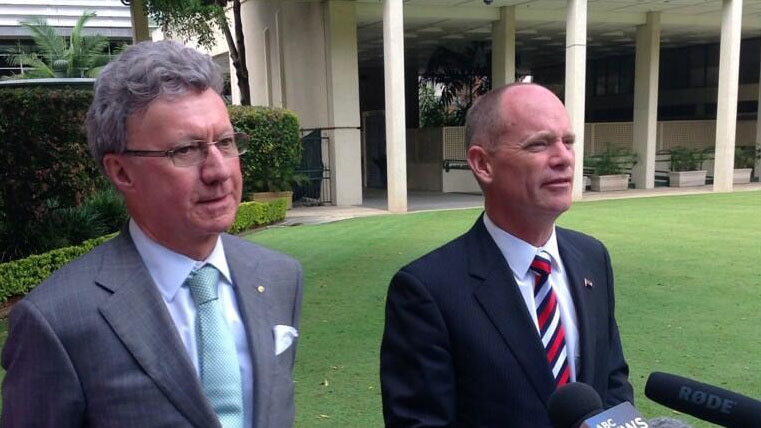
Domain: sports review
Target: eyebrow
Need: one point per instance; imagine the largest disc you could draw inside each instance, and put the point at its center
(549, 134)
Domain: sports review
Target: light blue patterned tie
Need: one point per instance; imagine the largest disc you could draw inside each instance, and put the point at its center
(217, 357)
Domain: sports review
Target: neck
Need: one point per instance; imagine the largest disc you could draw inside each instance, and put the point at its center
(535, 231)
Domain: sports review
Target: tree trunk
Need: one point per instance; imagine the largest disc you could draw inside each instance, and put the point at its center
(237, 49)
(242, 69)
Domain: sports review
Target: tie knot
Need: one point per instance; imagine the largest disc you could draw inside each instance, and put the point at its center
(541, 264)
(203, 284)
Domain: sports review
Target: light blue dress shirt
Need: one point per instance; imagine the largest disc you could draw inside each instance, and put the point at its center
(169, 271)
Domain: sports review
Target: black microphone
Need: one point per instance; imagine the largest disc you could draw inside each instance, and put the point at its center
(706, 402)
(578, 405)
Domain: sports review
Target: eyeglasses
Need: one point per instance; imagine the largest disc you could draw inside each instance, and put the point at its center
(194, 152)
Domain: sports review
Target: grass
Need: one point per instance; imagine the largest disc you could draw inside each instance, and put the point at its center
(687, 280)
(688, 283)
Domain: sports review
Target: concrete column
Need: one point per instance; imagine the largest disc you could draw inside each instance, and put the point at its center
(396, 143)
(726, 109)
(343, 102)
(503, 47)
(757, 169)
(647, 59)
(575, 82)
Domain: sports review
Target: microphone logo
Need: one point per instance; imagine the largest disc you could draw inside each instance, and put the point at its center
(707, 400)
(623, 415)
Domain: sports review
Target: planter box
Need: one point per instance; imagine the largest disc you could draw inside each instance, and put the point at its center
(742, 176)
(687, 178)
(271, 196)
(607, 183)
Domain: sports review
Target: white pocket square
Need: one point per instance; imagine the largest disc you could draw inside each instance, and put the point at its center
(284, 335)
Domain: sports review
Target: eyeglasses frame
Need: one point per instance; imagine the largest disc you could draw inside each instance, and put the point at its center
(237, 136)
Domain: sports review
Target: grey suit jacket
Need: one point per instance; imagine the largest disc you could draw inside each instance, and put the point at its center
(94, 345)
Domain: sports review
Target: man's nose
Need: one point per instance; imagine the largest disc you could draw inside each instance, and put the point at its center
(216, 167)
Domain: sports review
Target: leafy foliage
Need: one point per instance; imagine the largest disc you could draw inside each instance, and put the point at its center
(187, 19)
(59, 56)
(275, 151)
(197, 20)
(686, 158)
(462, 75)
(18, 277)
(746, 156)
(433, 112)
(253, 214)
(44, 162)
(612, 161)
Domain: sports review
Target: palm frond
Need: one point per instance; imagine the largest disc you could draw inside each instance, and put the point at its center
(49, 43)
(59, 56)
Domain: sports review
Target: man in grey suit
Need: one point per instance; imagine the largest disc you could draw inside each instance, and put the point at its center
(120, 337)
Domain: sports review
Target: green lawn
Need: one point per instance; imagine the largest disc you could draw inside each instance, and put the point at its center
(688, 290)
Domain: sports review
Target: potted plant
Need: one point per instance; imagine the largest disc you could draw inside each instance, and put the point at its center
(745, 162)
(686, 167)
(269, 165)
(610, 169)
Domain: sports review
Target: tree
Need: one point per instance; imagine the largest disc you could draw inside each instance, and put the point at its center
(197, 20)
(59, 56)
(461, 75)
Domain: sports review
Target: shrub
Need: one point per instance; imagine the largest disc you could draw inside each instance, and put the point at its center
(612, 161)
(275, 150)
(746, 156)
(19, 276)
(252, 214)
(43, 158)
(686, 159)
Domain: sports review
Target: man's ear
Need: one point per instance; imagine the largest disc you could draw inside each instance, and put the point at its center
(117, 172)
(480, 163)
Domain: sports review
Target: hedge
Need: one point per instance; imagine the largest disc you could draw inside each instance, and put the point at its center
(44, 160)
(18, 277)
(253, 214)
(275, 149)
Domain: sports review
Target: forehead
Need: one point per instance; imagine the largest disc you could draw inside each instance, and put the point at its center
(533, 109)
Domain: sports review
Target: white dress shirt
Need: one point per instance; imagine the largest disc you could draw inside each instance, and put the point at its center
(169, 271)
(519, 255)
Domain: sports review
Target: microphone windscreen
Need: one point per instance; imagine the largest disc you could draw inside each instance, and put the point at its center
(707, 402)
(572, 403)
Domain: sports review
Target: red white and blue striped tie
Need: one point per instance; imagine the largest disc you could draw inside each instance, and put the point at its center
(548, 314)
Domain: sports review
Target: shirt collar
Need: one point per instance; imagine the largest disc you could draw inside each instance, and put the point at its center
(518, 253)
(170, 269)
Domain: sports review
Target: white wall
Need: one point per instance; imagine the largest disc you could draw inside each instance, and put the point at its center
(112, 20)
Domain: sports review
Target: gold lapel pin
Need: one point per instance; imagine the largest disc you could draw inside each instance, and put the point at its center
(588, 282)
(260, 289)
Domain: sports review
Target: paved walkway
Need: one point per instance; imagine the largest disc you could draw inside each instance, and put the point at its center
(375, 202)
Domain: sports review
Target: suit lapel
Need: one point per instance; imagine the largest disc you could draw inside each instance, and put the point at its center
(576, 275)
(254, 310)
(137, 314)
(500, 298)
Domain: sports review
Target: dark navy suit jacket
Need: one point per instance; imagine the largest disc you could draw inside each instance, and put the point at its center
(460, 349)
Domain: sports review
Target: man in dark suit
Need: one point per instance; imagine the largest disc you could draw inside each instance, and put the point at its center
(480, 332)
(172, 323)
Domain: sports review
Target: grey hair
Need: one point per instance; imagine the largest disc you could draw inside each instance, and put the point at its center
(485, 120)
(131, 82)
(667, 423)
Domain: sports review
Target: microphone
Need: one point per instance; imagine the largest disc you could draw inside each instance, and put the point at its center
(578, 405)
(706, 402)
